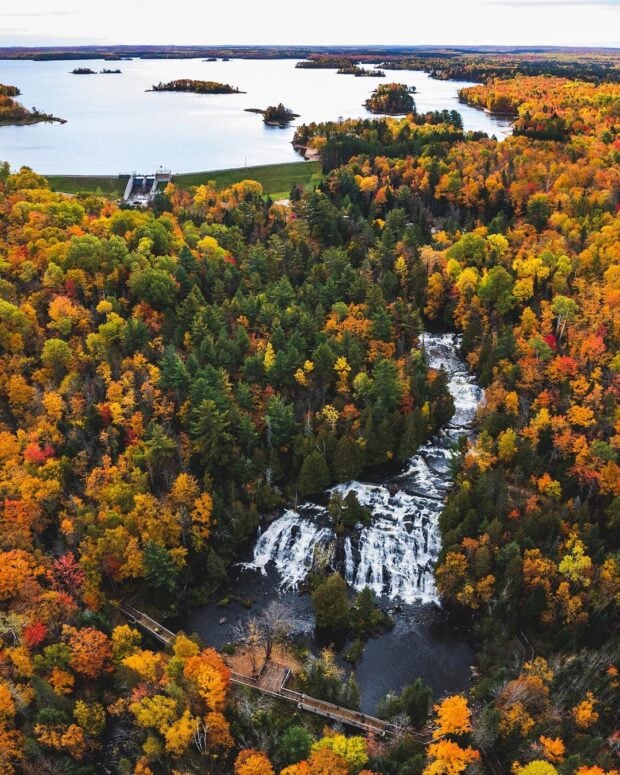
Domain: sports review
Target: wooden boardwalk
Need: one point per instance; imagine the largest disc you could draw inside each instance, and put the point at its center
(271, 681)
(146, 623)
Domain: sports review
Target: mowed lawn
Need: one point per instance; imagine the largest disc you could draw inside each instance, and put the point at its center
(277, 180)
(80, 184)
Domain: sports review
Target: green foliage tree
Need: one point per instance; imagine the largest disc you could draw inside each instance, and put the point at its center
(331, 604)
(314, 475)
(154, 286)
(295, 745)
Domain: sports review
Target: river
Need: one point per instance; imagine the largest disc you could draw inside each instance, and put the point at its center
(394, 555)
(115, 126)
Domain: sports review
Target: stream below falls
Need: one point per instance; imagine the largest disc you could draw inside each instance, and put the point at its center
(394, 556)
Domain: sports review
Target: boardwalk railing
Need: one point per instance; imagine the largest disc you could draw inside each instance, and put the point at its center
(271, 681)
(319, 707)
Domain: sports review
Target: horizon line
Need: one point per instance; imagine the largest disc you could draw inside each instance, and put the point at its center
(354, 46)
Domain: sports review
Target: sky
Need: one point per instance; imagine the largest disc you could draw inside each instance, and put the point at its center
(321, 22)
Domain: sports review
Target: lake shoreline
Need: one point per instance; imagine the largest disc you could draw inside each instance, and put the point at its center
(115, 127)
(32, 120)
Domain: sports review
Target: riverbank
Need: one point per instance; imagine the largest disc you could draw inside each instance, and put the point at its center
(277, 180)
(394, 555)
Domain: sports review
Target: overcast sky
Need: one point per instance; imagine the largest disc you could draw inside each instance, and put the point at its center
(412, 22)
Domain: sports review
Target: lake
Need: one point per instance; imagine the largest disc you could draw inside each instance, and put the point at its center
(115, 126)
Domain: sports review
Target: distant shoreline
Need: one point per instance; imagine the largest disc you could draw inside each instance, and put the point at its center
(113, 52)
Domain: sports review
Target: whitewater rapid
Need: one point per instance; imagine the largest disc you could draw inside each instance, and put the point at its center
(395, 555)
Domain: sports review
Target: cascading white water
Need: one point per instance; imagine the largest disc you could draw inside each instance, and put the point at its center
(290, 542)
(396, 553)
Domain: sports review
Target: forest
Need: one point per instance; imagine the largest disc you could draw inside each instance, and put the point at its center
(169, 376)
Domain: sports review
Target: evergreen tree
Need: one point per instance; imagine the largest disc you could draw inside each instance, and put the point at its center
(348, 460)
(314, 474)
(331, 604)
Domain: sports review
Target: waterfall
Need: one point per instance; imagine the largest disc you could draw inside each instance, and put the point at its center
(394, 555)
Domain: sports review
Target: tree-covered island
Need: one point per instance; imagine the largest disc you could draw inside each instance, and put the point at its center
(197, 87)
(392, 98)
(275, 115)
(83, 71)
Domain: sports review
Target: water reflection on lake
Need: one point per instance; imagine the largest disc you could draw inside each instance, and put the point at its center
(115, 126)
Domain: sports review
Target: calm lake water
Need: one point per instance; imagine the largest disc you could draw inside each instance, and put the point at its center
(115, 126)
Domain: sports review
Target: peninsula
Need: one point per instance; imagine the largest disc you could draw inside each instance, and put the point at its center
(13, 113)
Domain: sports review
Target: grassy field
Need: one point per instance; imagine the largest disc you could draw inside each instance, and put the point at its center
(79, 184)
(276, 179)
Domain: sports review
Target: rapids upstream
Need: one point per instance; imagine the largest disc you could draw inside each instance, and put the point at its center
(395, 556)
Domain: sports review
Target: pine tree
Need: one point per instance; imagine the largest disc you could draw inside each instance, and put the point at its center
(314, 475)
(331, 604)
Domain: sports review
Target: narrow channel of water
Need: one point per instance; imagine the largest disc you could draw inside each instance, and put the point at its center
(394, 555)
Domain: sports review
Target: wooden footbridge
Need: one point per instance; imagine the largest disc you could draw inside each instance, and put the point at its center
(271, 681)
(146, 623)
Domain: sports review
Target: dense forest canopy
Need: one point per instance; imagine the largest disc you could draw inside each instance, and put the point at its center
(169, 375)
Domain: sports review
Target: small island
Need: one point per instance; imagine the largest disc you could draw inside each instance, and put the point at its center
(13, 113)
(393, 99)
(110, 72)
(360, 72)
(197, 87)
(83, 71)
(275, 115)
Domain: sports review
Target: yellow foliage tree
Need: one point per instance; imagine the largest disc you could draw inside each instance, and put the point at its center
(90, 716)
(584, 714)
(147, 664)
(251, 762)
(180, 733)
(352, 749)
(158, 712)
(125, 641)
(448, 758)
(453, 717)
(269, 360)
(553, 748)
